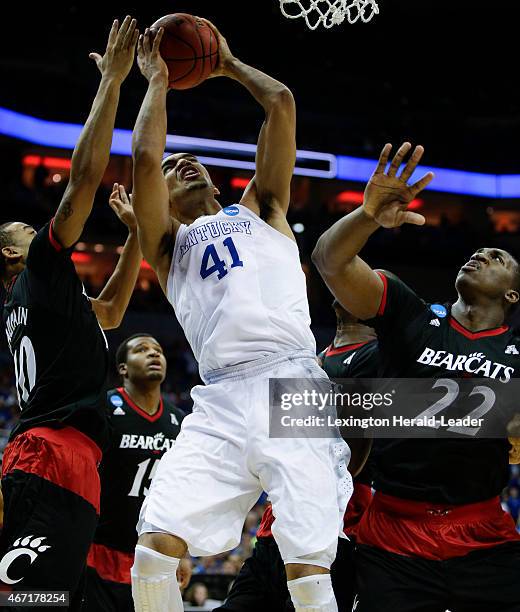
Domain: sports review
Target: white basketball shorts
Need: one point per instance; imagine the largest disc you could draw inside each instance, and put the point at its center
(224, 458)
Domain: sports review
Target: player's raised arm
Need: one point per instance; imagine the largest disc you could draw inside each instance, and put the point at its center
(156, 227)
(269, 192)
(356, 286)
(92, 152)
(111, 304)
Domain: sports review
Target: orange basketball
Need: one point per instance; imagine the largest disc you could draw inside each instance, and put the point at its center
(189, 47)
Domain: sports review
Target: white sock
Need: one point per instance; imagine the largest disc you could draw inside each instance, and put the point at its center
(154, 582)
(313, 594)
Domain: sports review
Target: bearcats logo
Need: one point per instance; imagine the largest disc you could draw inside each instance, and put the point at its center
(27, 546)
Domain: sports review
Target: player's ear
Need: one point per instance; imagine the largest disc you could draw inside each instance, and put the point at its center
(11, 253)
(216, 192)
(512, 296)
(122, 369)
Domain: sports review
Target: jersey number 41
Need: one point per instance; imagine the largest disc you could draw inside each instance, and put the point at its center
(212, 263)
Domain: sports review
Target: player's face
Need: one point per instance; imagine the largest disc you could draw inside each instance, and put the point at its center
(21, 236)
(145, 360)
(184, 173)
(490, 272)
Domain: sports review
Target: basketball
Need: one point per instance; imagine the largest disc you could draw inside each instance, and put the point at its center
(189, 47)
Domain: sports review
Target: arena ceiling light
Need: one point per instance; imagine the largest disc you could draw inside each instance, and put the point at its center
(222, 153)
(240, 156)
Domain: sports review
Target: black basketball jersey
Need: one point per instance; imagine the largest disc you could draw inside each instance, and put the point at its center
(60, 352)
(137, 443)
(420, 340)
(354, 361)
(351, 360)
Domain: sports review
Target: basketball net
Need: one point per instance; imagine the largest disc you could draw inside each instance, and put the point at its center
(329, 12)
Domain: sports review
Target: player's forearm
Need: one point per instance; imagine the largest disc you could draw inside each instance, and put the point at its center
(116, 294)
(339, 245)
(149, 137)
(92, 151)
(267, 91)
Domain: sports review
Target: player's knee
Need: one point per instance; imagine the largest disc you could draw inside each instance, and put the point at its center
(313, 593)
(164, 543)
(149, 563)
(308, 565)
(154, 581)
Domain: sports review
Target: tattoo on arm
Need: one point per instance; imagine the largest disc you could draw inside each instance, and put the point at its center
(65, 210)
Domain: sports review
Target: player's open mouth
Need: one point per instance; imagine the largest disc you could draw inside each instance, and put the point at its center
(472, 264)
(155, 365)
(189, 173)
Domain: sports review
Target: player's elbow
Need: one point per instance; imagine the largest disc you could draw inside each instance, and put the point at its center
(106, 313)
(114, 319)
(282, 99)
(144, 157)
(326, 259)
(320, 259)
(85, 176)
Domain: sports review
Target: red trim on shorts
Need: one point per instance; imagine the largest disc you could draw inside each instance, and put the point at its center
(476, 335)
(149, 417)
(52, 239)
(434, 531)
(382, 305)
(110, 564)
(66, 457)
(343, 349)
(356, 508)
(264, 531)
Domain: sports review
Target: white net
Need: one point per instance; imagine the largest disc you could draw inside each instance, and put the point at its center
(329, 12)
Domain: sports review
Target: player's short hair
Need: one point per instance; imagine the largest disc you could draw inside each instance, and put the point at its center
(122, 349)
(5, 240)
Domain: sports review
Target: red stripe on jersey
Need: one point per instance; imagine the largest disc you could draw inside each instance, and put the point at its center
(149, 417)
(52, 239)
(110, 564)
(433, 531)
(356, 508)
(382, 305)
(476, 335)
(264, 531)
(9, 286)
(343, 349)
(66, 457)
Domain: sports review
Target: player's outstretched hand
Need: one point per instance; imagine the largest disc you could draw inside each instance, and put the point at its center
(225, 57)
(119, 55)
(388, 195)
(149, 59)
(121, 204)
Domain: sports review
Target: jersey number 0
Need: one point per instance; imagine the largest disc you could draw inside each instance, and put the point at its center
(25, 369)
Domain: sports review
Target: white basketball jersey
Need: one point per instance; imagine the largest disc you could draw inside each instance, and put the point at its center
(238, 289)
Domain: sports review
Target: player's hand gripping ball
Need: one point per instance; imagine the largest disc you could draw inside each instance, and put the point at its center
(189, 47)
